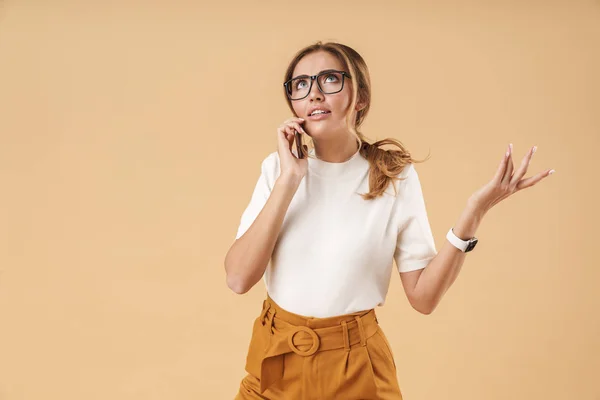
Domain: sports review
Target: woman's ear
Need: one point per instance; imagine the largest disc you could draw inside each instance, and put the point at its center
(359, 106)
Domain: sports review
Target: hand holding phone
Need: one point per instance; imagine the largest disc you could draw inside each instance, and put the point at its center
(287, 132)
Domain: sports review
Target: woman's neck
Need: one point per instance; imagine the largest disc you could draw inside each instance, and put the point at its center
(336, 151)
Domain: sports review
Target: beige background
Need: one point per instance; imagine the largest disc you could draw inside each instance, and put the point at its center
(131, 140)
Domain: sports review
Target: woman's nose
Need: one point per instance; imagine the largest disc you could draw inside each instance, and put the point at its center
(315, 92)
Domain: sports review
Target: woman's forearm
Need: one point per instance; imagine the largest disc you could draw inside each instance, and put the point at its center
(443, 269)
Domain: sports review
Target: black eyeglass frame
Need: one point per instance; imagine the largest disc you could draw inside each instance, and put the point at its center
(314, 77)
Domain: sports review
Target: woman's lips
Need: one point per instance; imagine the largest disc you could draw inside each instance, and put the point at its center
(319, 116)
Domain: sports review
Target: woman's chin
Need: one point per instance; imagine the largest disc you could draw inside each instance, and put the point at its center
(317, 129)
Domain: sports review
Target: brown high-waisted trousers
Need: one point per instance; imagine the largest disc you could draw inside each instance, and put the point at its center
(294, 357)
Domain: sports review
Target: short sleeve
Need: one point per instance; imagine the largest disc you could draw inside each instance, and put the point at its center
(415, 245)
(262, 191)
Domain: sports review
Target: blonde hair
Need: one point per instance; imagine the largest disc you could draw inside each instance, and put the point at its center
(385, 165)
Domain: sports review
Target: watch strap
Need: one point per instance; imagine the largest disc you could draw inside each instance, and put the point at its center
(462, 245)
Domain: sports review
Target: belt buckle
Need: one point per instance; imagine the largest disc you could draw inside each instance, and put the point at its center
(314, 336)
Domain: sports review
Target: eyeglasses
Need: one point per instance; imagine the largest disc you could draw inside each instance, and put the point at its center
(329, 81)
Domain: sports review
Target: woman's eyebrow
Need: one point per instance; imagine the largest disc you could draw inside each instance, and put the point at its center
(325, 70)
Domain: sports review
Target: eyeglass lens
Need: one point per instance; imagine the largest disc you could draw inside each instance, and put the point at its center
(330, 82)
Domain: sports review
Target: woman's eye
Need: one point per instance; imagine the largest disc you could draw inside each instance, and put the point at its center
(299, 83)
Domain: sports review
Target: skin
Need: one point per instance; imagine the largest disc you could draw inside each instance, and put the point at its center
(332, 140)
(426, 287)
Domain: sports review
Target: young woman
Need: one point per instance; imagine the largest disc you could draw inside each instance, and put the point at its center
(323, 229)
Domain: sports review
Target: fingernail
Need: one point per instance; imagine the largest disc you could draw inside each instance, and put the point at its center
(534, 149)
(510, 147)
(551, 172)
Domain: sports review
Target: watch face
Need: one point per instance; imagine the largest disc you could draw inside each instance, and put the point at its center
(471, 244)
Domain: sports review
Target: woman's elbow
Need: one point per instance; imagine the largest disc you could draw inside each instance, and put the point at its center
(424, 309)
(237, 285)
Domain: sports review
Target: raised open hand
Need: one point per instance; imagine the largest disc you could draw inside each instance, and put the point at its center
(504, 183)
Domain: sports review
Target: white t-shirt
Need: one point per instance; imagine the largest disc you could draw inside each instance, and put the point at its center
(335, 251)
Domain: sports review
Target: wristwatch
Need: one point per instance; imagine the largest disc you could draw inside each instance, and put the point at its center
(462, 245)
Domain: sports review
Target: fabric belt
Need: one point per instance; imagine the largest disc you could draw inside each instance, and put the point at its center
(285, 337)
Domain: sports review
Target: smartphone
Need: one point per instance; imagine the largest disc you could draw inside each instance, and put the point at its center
(298, 143)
